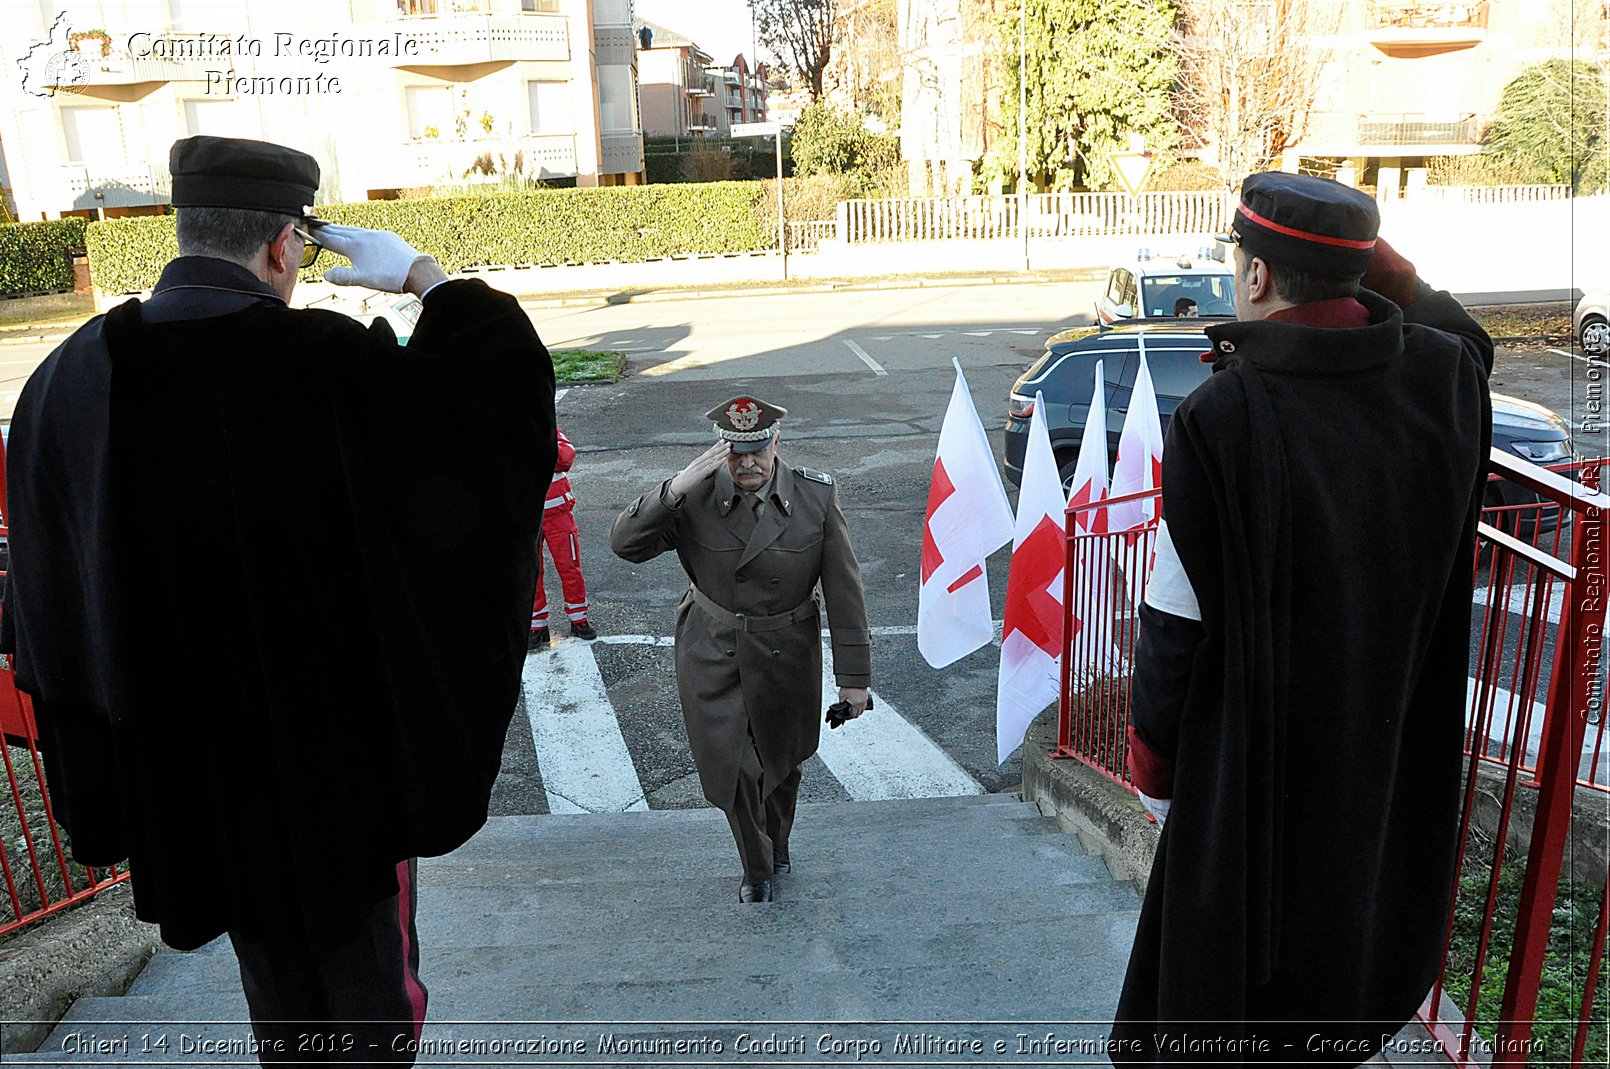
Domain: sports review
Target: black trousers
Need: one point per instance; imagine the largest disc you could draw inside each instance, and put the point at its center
(353, 1004)
(761, 817)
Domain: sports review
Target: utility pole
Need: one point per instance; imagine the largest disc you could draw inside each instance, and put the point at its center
(1023, 126)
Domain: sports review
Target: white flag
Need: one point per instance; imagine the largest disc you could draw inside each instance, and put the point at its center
(1031, 646)
(1091, 614)
(968, 519)
(1140, 454)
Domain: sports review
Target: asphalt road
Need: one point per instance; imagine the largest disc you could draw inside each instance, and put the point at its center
(866, 377)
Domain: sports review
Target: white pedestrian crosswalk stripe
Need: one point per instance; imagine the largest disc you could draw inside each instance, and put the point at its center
(585, 765)
(883, 755)
(1521, 599)
(581, 753)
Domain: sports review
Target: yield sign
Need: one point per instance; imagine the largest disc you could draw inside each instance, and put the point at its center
(1133, 169)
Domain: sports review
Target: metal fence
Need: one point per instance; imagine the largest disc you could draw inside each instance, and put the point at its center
(39, 877)
(1487, 195)
(1540, 597)
(1049, 215)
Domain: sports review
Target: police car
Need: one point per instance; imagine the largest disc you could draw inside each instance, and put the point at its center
(1164, 287)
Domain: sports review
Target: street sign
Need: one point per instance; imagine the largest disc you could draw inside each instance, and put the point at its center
(756, 129)
(1133, 169)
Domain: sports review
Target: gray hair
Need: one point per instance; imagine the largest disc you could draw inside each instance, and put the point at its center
(234, 234)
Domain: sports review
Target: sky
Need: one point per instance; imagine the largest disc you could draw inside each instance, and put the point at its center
(721, 27)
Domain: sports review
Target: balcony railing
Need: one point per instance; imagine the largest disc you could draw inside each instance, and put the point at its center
(1417, 129)
(430, 161)
(1423, 14)
(119, 185)
(453, 33)
(1407, 29)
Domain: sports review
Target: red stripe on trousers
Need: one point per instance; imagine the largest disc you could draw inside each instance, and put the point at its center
(405, 913)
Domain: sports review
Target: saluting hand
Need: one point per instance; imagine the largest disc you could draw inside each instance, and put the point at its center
(701, 468)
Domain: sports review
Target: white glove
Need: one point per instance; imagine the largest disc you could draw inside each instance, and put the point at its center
(1157, 807)
(380, 259)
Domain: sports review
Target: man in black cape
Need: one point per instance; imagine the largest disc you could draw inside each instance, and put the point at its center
(269, 581)
(1300, 682)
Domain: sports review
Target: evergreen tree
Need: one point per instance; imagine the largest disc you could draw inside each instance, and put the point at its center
(1550, 124)
(1099, 73)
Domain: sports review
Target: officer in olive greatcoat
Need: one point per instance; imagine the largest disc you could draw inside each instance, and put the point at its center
(755, 537)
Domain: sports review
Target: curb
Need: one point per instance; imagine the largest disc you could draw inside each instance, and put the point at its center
(600, 298)
(96, 949)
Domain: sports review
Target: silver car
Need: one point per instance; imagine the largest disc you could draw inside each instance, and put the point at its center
(1591, 323)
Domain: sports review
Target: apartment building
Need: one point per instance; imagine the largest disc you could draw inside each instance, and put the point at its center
(1405, 81)
(387, 94)
(741, 91)
(678, 89)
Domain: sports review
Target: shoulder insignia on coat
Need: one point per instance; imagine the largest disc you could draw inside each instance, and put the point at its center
(815, 476)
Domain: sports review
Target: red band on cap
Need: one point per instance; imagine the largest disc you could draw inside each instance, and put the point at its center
(1322, 239)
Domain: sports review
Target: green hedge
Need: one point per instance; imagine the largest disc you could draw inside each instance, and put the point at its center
(548, 226)
(34, 256)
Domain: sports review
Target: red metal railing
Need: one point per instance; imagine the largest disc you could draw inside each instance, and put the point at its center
(34, 866)
(1541, 589)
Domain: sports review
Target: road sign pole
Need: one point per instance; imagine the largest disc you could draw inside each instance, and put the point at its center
(782, 227)
(771, 129)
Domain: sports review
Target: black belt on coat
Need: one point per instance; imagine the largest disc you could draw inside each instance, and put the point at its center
(743, 622)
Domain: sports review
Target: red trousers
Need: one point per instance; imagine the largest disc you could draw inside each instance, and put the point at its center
(559, 535)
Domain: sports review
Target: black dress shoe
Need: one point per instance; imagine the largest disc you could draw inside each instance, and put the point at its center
(760, 892)
(583, 629)
(779, 863)
(538, 640)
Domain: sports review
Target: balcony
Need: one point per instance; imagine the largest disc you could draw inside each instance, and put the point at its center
(460, 38)
(1413, 129)
(621, 153)
(701, 123)
(1410, 29)
(147, 63)
(431, 162)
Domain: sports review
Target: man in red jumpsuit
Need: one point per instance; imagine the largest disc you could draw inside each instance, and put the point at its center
(564, 546)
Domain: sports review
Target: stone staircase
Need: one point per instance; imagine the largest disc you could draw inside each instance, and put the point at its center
(906, 926)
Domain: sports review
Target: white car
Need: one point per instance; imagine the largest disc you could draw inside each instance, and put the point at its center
(1591, 323)
(1167, 288)
(401, 310)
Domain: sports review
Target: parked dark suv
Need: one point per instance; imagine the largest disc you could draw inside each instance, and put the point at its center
(1066, 375)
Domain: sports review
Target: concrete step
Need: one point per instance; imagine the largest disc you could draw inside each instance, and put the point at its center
(965, 909)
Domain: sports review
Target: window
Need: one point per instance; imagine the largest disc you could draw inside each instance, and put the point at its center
(550, 108)
(617, 101)
(215, 117)
(1178, 371)
(94, 135)
(1213, 294)
(429, 108)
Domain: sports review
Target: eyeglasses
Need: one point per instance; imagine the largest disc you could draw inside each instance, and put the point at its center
(310, 248)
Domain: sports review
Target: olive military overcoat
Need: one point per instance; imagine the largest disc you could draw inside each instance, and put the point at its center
(760, 675)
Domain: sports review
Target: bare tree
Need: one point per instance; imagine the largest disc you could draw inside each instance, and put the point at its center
(867, 60)
(800, 34)
(1249, 71)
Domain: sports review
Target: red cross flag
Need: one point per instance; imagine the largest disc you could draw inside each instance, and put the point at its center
(1031, 645)
(1140, 454)
(968, 519)
(1091, 611)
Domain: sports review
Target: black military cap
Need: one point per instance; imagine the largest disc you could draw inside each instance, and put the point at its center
(232, 172)
(1307, 223)
(749, 424)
